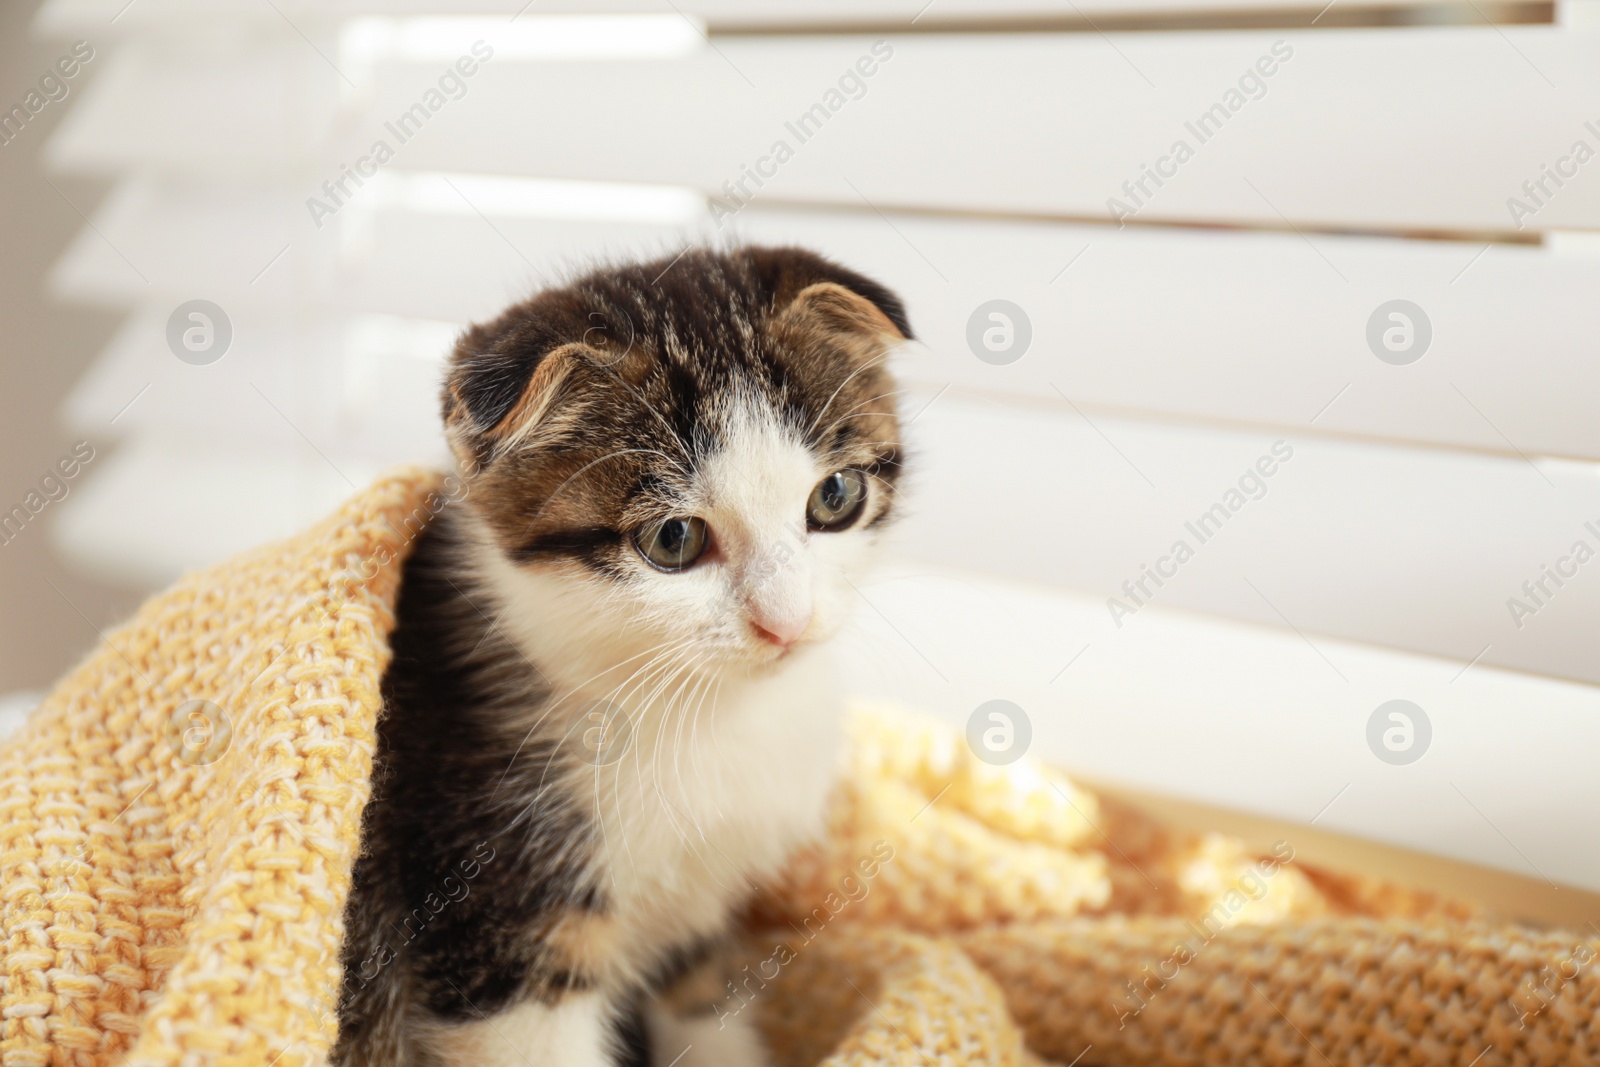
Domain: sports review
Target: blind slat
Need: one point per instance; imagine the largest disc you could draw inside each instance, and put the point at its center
(1232, 327)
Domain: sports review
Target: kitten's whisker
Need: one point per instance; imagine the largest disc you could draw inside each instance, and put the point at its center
(696, 699)
(856, 412)
(878, 362)
(666, 717)
(659, 656)
(620, 814)
(654, 779)
(664, 724)
(549, 709)
(706, 841)
(653, 724)
(694, 747)
(700, 830)
(669, 658)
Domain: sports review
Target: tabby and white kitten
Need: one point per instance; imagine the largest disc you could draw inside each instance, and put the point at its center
(612, 708)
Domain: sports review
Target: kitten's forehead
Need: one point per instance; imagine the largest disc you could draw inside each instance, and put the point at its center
(761, 468)
(703, 382)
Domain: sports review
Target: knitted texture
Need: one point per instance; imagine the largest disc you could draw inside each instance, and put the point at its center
(179, 821)
(1023, 916)
(172, 873)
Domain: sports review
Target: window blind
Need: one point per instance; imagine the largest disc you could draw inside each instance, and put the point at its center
(1255, 382)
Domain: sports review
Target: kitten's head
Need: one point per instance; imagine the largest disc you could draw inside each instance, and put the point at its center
(688, 457)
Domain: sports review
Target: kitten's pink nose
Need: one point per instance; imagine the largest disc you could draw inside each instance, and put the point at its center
(782, 629)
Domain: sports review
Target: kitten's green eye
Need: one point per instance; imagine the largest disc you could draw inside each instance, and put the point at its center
(672, 544)
(837, 500)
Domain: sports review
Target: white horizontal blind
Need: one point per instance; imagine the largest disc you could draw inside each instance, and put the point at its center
(1205, 360)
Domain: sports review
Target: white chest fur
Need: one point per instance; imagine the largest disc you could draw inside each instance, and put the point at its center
(711, 797)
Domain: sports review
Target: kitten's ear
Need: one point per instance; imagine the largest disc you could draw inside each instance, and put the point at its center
(808, 288)
(502, 386)
(831, 308)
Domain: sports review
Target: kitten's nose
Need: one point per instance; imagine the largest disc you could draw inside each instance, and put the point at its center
(781, 628)
(777, 595)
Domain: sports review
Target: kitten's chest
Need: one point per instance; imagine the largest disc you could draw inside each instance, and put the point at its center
(700, 815)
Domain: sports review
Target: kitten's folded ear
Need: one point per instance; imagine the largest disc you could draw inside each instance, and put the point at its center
(830, 308)
(810, 289)
(502, 386)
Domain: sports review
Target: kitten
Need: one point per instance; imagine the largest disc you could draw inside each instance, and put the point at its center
(611, 708)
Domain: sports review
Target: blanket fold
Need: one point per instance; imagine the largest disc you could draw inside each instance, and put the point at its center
(180, 818)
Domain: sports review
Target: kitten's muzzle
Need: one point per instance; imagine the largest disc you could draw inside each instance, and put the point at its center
(782, 629)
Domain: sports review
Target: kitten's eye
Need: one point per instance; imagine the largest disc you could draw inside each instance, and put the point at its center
(672, 544)
(837, 500)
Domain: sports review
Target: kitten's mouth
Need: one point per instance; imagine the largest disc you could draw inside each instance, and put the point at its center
(780, 655)
(773, 651)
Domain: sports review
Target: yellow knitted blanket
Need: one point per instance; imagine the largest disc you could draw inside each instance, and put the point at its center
(179, 820)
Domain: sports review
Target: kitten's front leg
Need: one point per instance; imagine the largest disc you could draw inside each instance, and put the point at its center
(581, 1030)
(705, 1039)
(693, 1022)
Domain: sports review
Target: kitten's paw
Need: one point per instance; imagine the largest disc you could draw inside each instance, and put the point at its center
(705, 1040)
